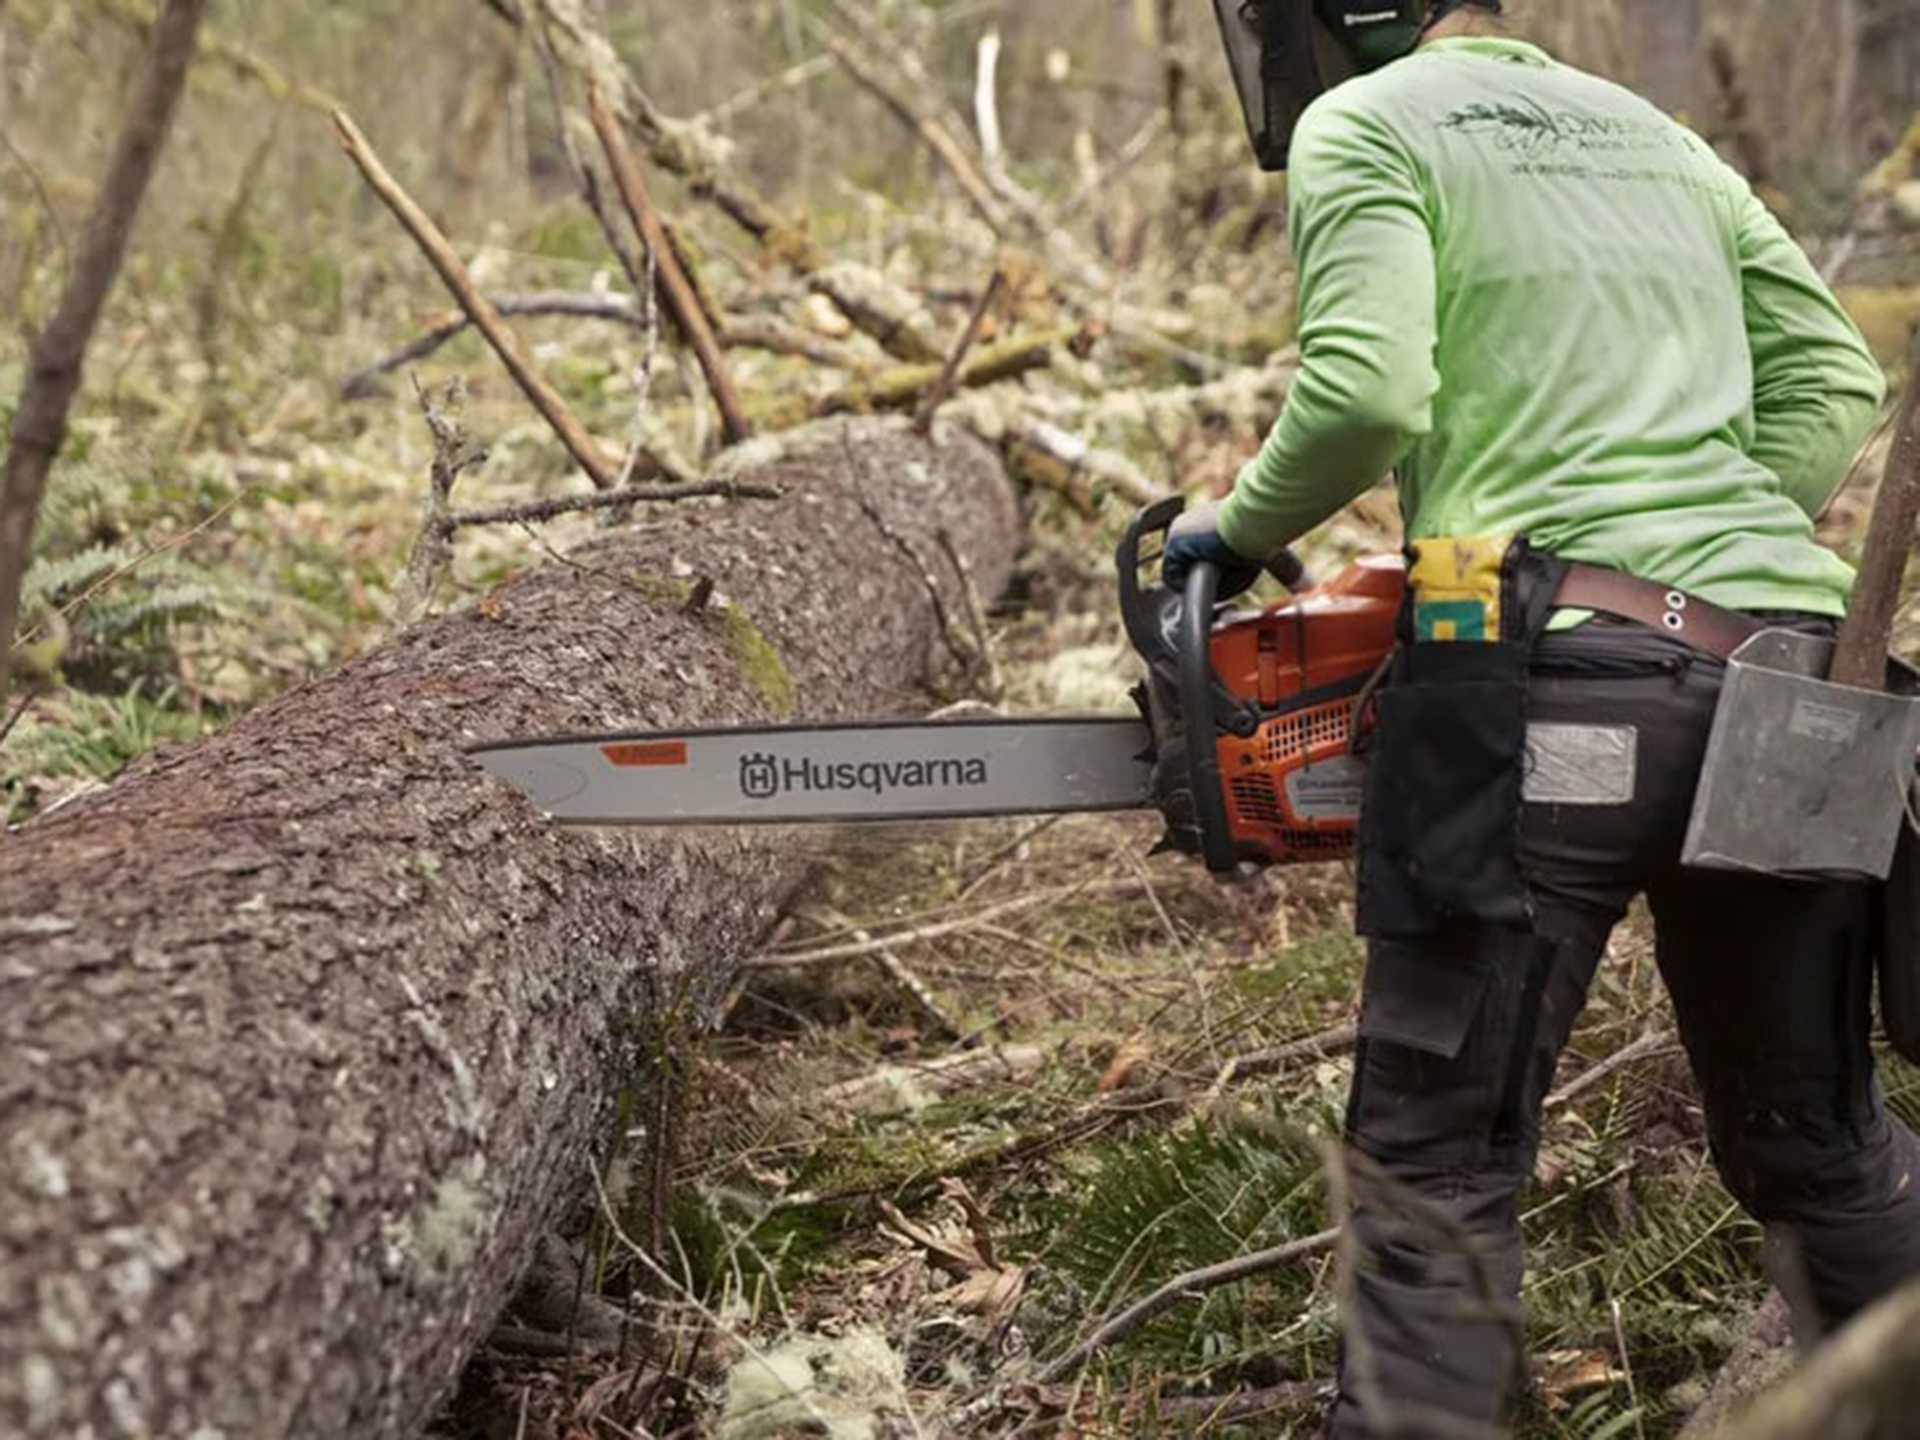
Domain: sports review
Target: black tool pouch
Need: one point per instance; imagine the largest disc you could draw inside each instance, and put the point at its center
(1440, 824)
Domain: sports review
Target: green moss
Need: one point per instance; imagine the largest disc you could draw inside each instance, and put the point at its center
(760, 664)
(883, 1162)
(1321, 967)
(661, 589)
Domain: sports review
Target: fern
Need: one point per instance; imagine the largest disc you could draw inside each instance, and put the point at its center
(124, 605)
(1157, 1206)
(58, 581)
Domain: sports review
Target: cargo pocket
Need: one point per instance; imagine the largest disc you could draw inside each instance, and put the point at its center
(1440, 826)
(1450, 1030)
(1424, 994)
(1415, 1095)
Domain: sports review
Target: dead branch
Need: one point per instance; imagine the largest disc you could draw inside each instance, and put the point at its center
(685, 149)
(1189, 1286)
(454, 453)
(780, 337)
(891, 315)
(58, 354)
(943, 386)
(799, 959)
(938, 1077)
(574, 304)
(992, 683)
(917, 989)
(1649, 1045)
(454, 274)
(1323, 1046)
(1047, 456)
(681, 298)
(1205, 1410)
(900, 388)
(535, 511)
(947, 150)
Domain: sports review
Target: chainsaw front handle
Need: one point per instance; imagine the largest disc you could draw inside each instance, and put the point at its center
(1200, 689)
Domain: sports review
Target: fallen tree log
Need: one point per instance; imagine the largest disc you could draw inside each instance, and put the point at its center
(307, 1028)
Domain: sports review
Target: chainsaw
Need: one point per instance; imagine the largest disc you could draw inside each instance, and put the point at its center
(1246, 740)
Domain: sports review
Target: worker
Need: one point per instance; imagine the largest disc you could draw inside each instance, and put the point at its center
(1613, 394)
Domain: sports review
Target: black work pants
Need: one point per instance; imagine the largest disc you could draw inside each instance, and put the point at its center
(1770, 983)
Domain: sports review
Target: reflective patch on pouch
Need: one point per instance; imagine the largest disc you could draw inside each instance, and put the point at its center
(1581, 764)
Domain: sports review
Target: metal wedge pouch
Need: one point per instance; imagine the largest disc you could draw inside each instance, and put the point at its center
(1439, 836)
(1810, 765)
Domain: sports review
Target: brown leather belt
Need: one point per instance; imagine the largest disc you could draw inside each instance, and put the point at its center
(1686, 618)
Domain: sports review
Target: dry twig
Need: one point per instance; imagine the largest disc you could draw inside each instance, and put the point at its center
(454, 453)
(576, 304)
(433, 244)
(534, 511)
(921, 993)
(1188, 1286)
(1325, 1045)
(680, 295)
(939, 139)
(1649, 1045)
(992, 684)
(937, 395)
(798, 959)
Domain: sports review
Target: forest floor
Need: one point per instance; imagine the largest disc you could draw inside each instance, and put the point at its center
(1057, 1071)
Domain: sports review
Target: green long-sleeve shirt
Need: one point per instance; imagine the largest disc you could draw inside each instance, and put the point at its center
(1559, 315)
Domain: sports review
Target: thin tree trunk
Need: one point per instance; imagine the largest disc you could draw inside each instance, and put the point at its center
(59, 352)
(309, 1029)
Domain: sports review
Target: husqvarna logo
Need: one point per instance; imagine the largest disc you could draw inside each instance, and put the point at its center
(763, 776)
(759, 777)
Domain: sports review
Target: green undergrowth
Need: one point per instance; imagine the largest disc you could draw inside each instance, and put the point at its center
(1135, 1213)
(1639, 1265)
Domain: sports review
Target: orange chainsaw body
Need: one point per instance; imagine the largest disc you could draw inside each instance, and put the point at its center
(1292, 785)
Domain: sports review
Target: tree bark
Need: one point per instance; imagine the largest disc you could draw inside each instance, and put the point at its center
(308, 1029)
(59, 351)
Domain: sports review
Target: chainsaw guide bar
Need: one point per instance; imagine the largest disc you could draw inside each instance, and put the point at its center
(863, 771)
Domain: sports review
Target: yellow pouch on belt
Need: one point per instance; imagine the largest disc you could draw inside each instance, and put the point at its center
(1456, 585)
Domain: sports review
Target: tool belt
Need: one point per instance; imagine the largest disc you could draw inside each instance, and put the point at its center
(1684, 617)
(1440, 822)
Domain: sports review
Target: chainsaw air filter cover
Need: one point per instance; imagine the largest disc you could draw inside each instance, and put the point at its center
(1291, 780)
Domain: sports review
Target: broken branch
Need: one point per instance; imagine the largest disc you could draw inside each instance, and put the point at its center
(899, 388)
(938, 138)
(674, 285)
(536, 510)
(576, 304)
(440, 254)
(1191, 1285)
(943, 386)
(798, 959)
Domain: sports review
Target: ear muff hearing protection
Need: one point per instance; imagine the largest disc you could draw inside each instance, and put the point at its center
(1284, 53)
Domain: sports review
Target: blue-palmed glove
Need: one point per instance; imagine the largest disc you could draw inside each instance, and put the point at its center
(1194, 539)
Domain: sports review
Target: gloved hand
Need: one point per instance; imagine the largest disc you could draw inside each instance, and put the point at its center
(1194, 539)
